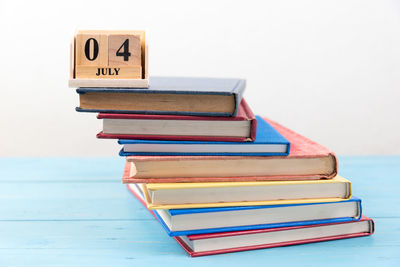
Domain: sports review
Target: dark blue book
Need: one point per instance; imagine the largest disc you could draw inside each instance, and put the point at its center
(168, 95)
(269, 142)
(180, 222)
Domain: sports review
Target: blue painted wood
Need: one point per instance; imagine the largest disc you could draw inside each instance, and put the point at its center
(76, 212)
(101, 169)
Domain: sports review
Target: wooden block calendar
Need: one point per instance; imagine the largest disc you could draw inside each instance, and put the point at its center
(109, 59)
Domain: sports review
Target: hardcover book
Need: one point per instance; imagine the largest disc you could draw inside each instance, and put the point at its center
(178, 222)
(218, 243)
(240, 128)
(307, 160)
(168, 95)
(226, 194)
(269, 142)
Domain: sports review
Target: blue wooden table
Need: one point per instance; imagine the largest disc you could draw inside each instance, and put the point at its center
(76, 212)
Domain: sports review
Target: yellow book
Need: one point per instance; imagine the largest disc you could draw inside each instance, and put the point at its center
(228, 194)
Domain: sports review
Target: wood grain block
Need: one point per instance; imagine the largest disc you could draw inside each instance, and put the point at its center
(111, 72)
(102, 57)
(124, 50)
(91, 49)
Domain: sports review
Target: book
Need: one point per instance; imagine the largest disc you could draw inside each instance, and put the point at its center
(228, 194)
(179, 222)
(269, 142)
(307, 160)
(168, 95)
(226, 242)
(240, 128)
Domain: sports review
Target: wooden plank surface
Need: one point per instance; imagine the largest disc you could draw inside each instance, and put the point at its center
(76, 212)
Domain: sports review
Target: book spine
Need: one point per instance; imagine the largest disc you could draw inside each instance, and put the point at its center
(238, 91)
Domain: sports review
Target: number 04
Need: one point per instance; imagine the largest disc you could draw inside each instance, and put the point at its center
(125, 53)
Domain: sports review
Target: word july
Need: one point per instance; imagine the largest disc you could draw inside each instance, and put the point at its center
(107, 71)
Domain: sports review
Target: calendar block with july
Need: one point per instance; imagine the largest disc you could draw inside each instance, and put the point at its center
(109, 59)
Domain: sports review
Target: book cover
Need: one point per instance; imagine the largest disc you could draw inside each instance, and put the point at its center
(248, 233)
(177, 212)
(266, 135)
(177, 85)
(244, 114)
(300, 148)
(147, 188)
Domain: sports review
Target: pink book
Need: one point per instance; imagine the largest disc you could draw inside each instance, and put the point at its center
(226, 242)
(240, 128)
(307, 160)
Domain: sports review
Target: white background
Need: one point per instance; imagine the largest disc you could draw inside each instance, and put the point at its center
(327, 69)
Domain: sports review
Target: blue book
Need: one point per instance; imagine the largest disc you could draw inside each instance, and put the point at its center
(179, 222)
(168, 95)
(269, 142)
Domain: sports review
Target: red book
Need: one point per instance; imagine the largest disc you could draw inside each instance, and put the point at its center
(226, 242)
(307, 160)
(241, 128)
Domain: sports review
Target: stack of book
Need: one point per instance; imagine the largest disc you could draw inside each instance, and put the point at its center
(218, 178)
